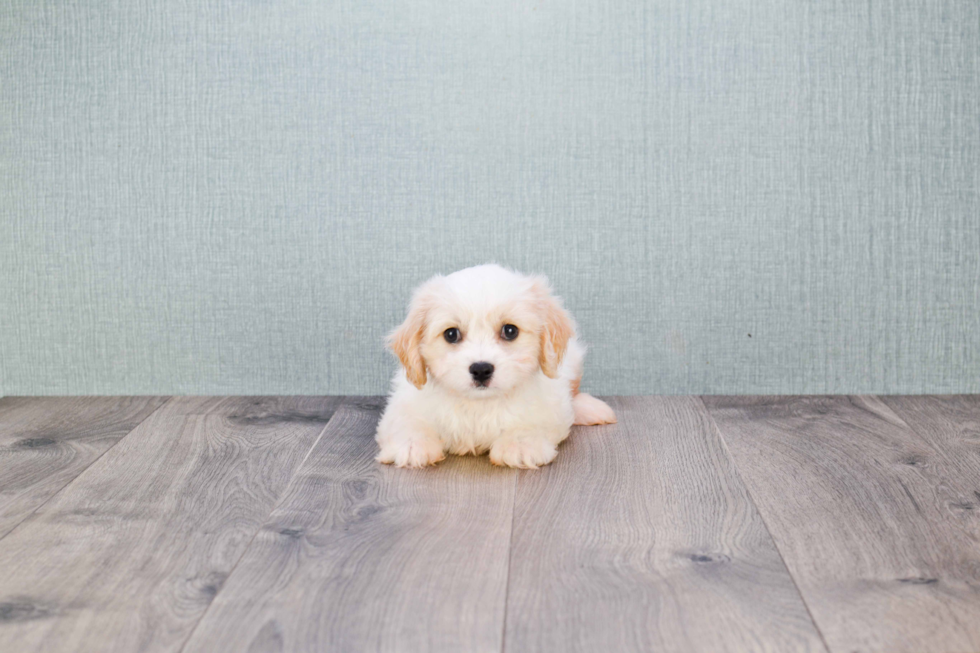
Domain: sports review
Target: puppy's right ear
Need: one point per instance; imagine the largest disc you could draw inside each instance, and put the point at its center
(557, 330)
(406, 340)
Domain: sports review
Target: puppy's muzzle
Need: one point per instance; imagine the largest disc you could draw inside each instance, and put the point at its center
(481, 372)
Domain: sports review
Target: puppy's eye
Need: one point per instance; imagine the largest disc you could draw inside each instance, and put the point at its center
(509, 332)
(451, 335)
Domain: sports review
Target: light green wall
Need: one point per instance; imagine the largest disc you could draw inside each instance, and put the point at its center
(236, 197)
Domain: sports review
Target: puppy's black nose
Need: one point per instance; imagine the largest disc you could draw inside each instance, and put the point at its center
(481, 371)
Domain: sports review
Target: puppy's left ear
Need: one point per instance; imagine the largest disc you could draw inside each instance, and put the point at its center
(406, 340)
(557, 330)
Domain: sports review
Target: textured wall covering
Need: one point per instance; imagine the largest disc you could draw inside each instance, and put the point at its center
(236, 197)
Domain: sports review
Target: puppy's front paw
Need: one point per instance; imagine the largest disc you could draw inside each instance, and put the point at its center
(528, 453)
(418, 452)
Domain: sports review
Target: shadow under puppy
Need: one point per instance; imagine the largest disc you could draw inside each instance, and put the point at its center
(492, 363)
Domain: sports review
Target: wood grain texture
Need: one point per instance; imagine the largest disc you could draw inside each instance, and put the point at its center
(45, 442)
(862, 510)
(641, 537)
(364, 557)
(950, 425)
(129, 555)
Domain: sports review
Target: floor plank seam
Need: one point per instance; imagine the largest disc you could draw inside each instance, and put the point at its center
(642, 536)
(765, 524)
(248, 546)
(913, 430)
(510, 557)
(87, 467)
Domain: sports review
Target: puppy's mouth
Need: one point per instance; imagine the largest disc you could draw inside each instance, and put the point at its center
(482, 385)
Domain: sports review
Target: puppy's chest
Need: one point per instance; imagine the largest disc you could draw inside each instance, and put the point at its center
(477, 426)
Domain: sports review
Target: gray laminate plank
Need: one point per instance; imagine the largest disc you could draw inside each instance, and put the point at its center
(45, 442)
(360, 556)
(859, 506)
(950, 425)
(130, 554)
(641, 537)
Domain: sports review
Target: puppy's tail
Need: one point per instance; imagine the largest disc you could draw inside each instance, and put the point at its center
(590, 411)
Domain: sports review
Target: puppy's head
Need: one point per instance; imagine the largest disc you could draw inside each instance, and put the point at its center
(482, 331)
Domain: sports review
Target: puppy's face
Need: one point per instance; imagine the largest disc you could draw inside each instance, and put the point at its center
(481, 332)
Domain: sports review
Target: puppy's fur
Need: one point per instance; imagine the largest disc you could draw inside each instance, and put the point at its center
(529, 403)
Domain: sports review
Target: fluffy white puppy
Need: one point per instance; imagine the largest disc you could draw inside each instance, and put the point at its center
(491, 363)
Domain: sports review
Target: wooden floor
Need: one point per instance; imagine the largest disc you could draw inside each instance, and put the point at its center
(695, 524)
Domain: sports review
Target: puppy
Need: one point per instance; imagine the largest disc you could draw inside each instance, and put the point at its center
(491, 363)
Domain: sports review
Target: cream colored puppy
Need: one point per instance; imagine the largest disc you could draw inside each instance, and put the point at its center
(491, 363)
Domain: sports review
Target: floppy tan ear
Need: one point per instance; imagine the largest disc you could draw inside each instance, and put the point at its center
(558, 328)
(406, 340)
